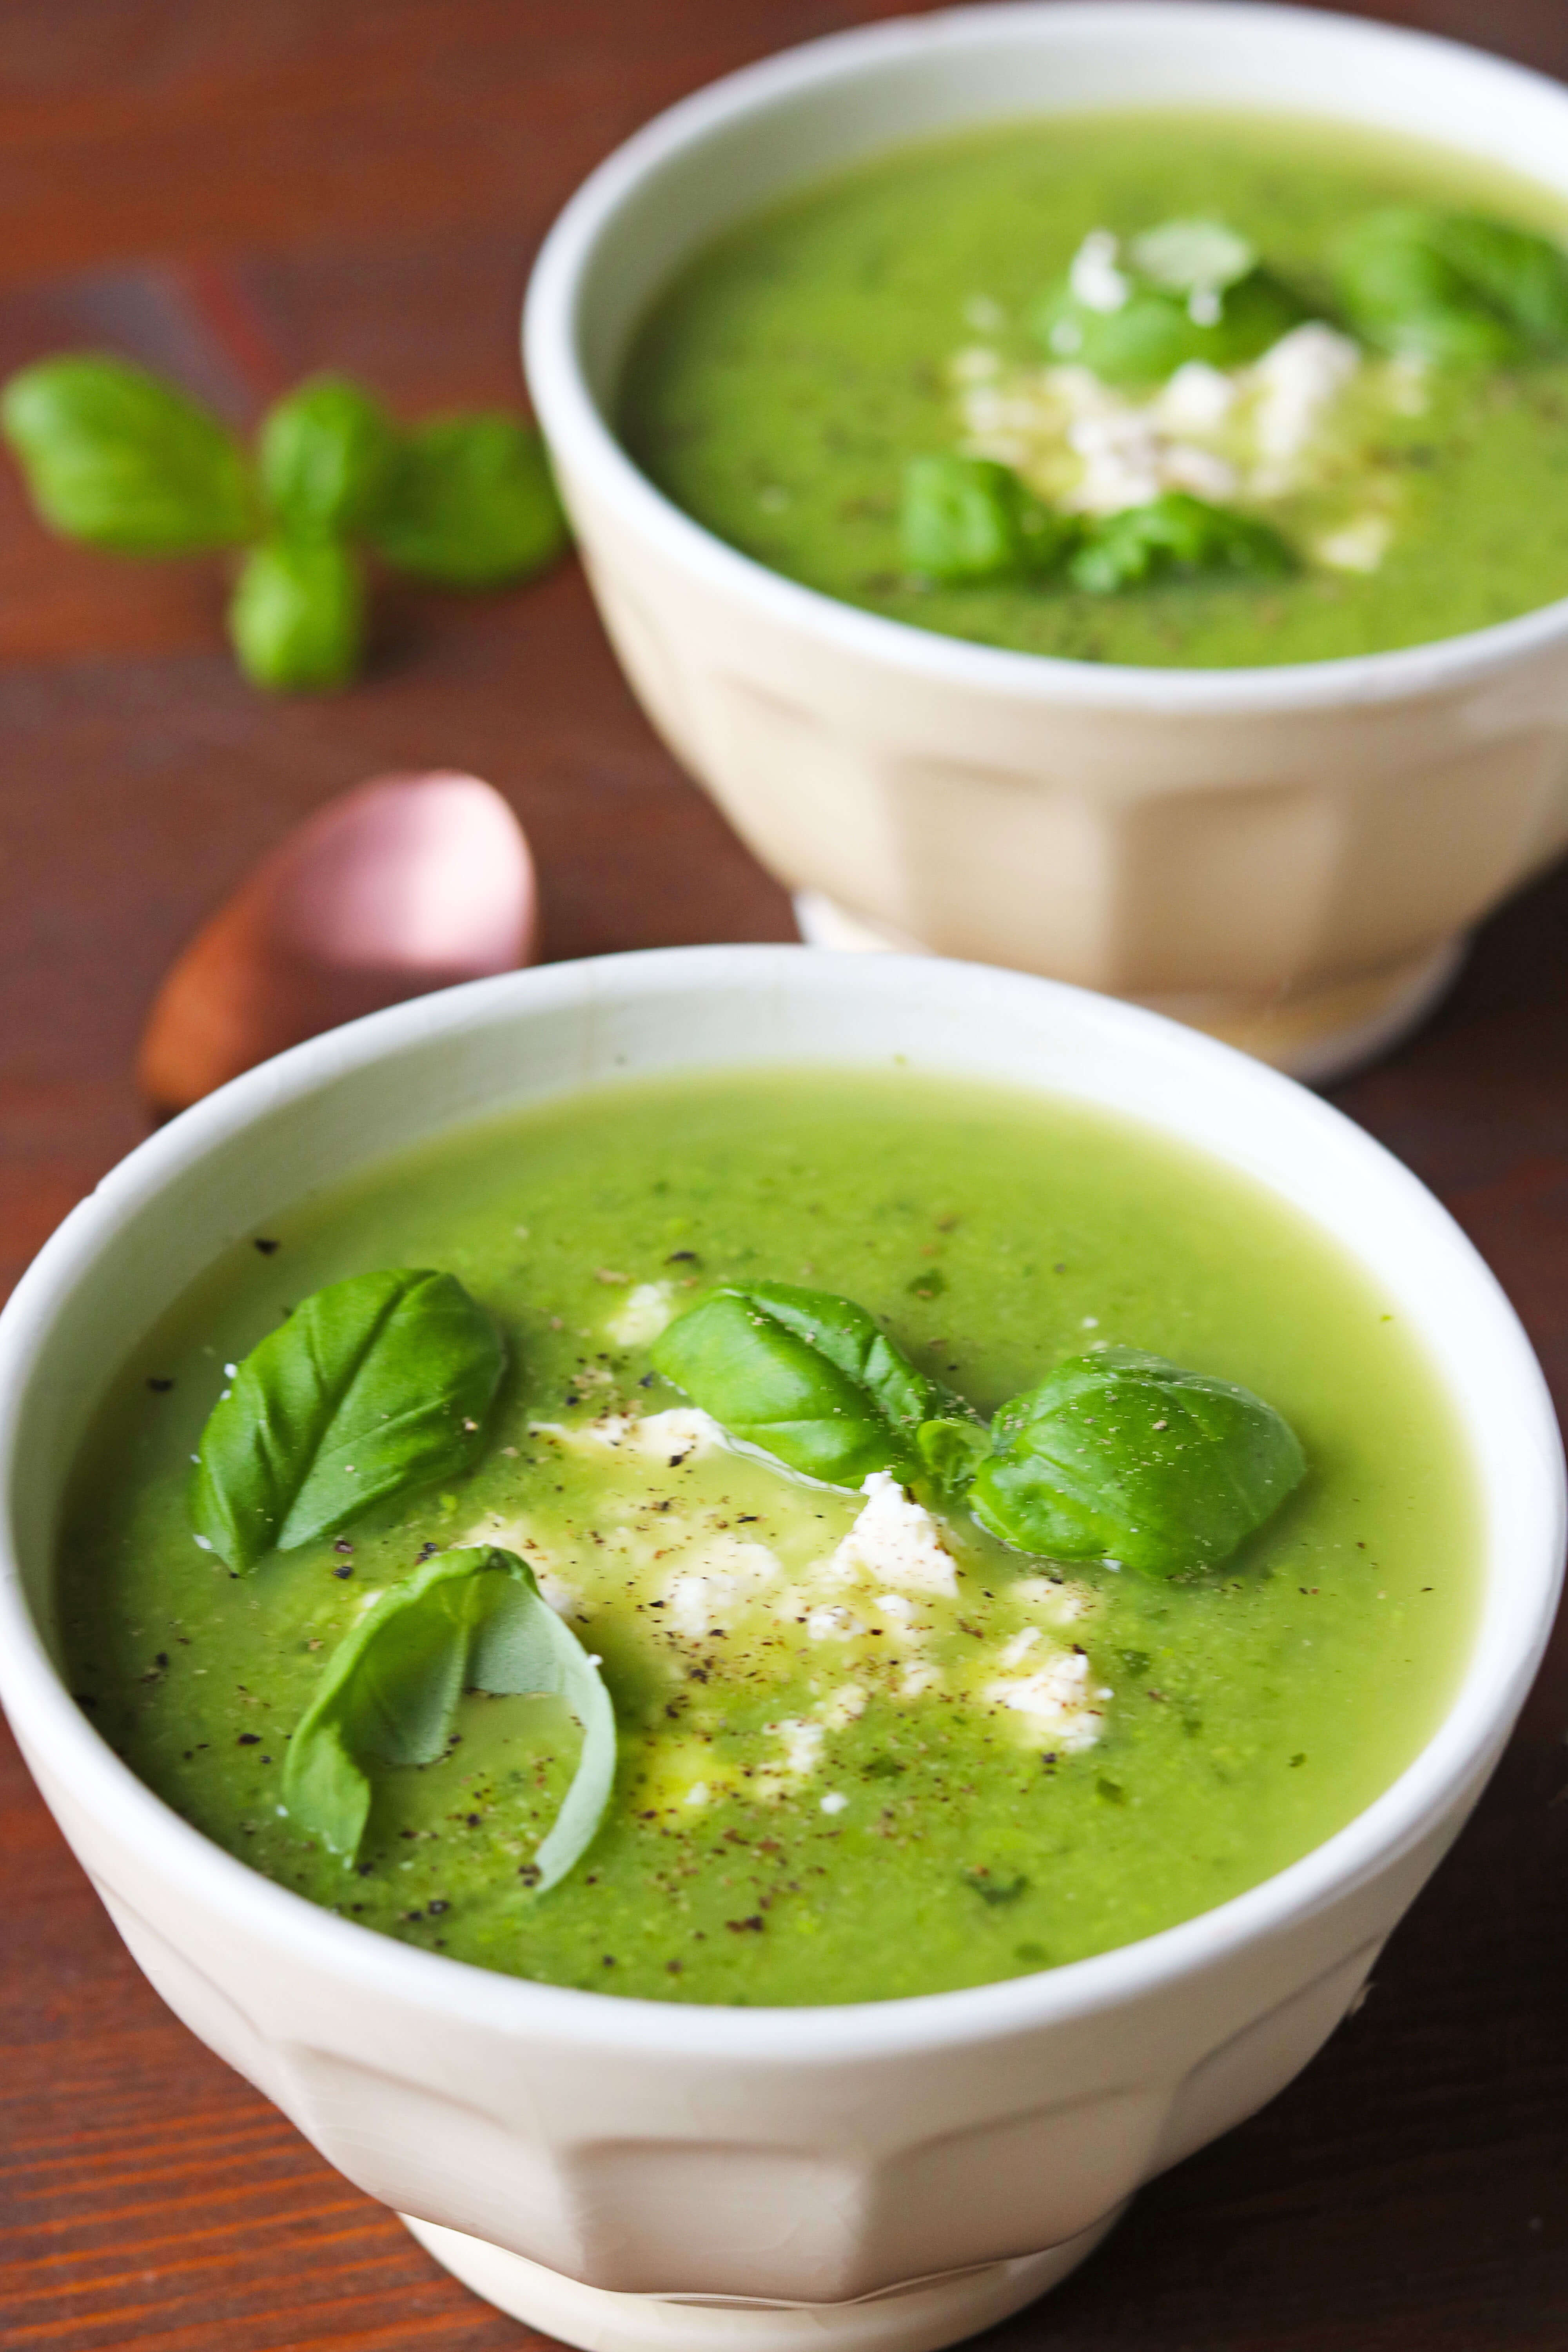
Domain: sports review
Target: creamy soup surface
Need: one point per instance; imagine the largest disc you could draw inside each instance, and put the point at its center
(789, 376)
(865, 1749)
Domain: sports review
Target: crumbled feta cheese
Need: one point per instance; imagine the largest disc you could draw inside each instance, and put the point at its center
(641, 1315)
(1060, 1706)
(802, 1743)
(1018, 1648)
(727, 1578)
(895, 1541)
(1206, 306)
(676, 1436)
(1407, 387)
(975, 365)
(1358, 546)
(845, 1705)
(835, 1801)
(1061, 1603)
(832, 1623)
(1094, 276)
(1197, 399)
(1296, 383)
(919, 1677)
(680, 1434)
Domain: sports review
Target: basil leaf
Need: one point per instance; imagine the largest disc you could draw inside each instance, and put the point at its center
(1124, 1456)
(472, 1618)
(952, 1448)
(968, 519)
(1157, 328)
(371, 1386)
(803, 1375)
(115, 456)
(471, 502)
(324, 455)
(1523, 276)
(296, 616)
(1177, 533)
(1400, 288)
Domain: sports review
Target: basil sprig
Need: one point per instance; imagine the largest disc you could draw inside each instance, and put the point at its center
(1124, 1456)
(469, 1618)
(1174, 534)
(117, 459)
(373, 1386)
(1453, 288)
(804, 1376)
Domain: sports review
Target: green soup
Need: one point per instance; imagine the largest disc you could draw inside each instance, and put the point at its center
(787, 377)
(828, 1790)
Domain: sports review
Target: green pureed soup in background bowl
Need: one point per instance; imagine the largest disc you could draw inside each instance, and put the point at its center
(862, 1746)
(1159, 388)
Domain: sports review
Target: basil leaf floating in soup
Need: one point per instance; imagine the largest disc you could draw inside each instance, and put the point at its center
(1124, 1456)
(1177, 533)
(373, 1385)
(952, 1449)
(804, 1376)
(1135, 311)
(969, 519)
(471, 1619)
(1453, 288)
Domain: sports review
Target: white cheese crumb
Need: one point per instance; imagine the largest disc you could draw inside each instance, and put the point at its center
(679, 1435)
(1061, 1708)
(896, 1541)
(1197, 399)
(1358, 546)
(697, 1794)
(1018, 1648)
(1094, 276)
(919, 1677)
(1297, 381)
(641, 1315)
(202, 1541)
(975, 365)
(901, 1616)
(731, 1576)
(835, 1801)
(1062, 1603)
(833, 1624)
(802, 1743)
(845, 1705)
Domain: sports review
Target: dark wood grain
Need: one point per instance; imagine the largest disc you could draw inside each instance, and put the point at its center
(240, 194)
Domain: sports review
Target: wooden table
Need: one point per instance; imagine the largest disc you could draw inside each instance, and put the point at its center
(242, 193)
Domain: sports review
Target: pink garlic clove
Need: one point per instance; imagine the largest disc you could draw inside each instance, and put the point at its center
(404, 885)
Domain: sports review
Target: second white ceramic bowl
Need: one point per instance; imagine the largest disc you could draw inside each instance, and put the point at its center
(629, 2174)
(1289, 857)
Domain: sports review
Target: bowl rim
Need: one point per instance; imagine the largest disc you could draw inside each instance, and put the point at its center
(51, 1727)
(582, 441)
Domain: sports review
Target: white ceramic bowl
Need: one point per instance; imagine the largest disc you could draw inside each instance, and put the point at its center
(1287, 856)
(593, 2163)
